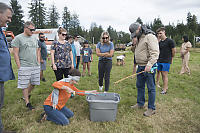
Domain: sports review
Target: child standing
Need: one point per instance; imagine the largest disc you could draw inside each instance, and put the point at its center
(54, 105)
(86, 55)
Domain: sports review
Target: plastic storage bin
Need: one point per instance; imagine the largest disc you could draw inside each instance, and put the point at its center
(103, 107)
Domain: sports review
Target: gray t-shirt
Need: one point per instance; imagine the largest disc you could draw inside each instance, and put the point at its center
(27, 50)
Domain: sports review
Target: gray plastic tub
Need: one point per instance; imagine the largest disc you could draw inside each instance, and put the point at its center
(103, 107)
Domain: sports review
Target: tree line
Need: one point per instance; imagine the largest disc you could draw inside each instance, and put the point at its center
(49, 18)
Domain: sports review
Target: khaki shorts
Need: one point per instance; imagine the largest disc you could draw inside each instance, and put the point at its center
(28, 75)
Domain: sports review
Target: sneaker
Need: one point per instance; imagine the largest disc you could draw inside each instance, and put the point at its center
(89, 74)
(149, 112)
(100, 88)
(136, 106)
(158, 86)
(29, 106)
(43, 79)
(163, 92)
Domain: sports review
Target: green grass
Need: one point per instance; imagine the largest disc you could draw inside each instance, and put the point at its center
(178, 111)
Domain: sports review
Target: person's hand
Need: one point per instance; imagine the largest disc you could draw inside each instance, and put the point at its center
(72, 66)
(81, 63)
(73, 92)
(42, 61)
(147, 69)
(134, 69)
(54, 67)
(182, 56)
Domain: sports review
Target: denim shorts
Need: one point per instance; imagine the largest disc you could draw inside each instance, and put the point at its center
(163, 66)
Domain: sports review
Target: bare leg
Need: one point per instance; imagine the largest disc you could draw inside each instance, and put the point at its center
(84, 67)
(30, 88)
(41, 75)
(158, 79)
(26, 93)
(88, 67)
(165, 80)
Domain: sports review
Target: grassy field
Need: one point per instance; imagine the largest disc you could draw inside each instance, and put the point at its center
(176, 112)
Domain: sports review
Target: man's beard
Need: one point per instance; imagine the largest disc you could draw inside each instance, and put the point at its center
(139, 34)
(42, 40)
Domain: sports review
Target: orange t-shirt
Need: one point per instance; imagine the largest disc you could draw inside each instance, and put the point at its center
(63, 94)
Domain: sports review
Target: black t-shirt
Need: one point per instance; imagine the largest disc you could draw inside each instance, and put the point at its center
(165, 47)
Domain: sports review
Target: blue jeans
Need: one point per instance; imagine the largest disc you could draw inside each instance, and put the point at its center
(60, 117)
(149, 79)
(1, 103)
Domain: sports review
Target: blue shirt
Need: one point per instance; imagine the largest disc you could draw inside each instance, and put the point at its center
(86, 54)
(105, 48)
(6, 71)
(43, 47)
(74, 54)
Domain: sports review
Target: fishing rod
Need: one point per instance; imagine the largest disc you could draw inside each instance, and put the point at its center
(151, 71)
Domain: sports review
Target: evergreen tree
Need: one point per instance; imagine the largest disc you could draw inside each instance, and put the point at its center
(41, 15)
(74, 24)
(192, 26)
(37, 13)
(95, 32)
(113, 34)
(17, 23)
(53, 17)
(66, 18)
(139, 20)
(157, 23)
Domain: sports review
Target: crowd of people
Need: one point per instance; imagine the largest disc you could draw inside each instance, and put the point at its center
(150, 50)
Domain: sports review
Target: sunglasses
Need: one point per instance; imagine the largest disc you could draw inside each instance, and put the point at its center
(42, 37)
(31, 29)
(64, 34)
(104, 38)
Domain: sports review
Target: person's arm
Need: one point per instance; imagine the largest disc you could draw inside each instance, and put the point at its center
(109, 54)
(82, 92)
(41, 60)
(99, 54)
(173, 53)
(38, 54)
(71, 56)
(187, 50)
(52, 60)
(91, 57)
(16, 56)
(61, 85)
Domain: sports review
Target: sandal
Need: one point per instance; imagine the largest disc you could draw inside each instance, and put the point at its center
(29, 106)
(163, 92)
(42, 117)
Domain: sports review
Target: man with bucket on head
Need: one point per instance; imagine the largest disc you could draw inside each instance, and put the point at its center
(146, 55)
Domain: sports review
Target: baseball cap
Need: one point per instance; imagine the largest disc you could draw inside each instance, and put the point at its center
(133, 27)
(86, 42)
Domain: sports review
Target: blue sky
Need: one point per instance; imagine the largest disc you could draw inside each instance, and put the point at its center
(121, 13)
